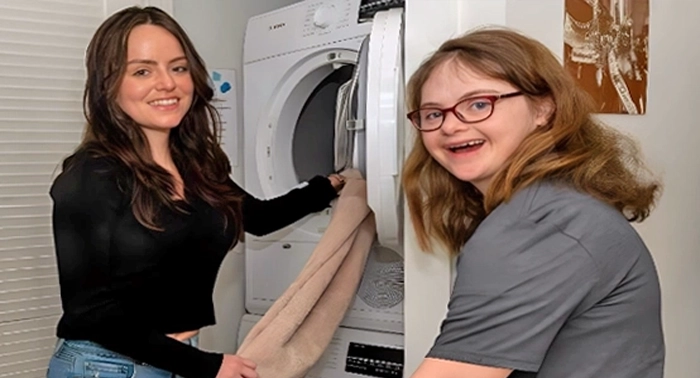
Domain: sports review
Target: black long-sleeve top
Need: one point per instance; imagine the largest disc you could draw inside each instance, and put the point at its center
(125, 286)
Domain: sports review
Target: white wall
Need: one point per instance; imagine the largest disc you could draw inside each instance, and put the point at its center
(111, 6)
(217, 28)
(427, 277)
(669, 135)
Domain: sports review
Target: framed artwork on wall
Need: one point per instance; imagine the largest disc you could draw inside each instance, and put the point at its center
(606, 50)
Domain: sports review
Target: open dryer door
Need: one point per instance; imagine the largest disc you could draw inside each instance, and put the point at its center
(378, 147)
(384, 131)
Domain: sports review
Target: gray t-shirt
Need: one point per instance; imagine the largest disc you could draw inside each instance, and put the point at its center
(555, 284)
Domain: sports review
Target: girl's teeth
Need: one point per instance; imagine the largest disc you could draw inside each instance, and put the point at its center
(172, 101)
(469, 144)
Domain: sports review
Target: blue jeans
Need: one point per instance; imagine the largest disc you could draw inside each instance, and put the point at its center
(86, 359)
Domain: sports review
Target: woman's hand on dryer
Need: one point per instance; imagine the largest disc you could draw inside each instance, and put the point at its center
(234, 366)
(337, 180)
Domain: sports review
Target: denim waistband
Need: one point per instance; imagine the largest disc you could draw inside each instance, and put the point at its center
(91, 347)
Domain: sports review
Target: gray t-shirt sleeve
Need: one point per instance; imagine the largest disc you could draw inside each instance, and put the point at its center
(517, 284)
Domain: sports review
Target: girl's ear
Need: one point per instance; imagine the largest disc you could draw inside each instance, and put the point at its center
(544, 110)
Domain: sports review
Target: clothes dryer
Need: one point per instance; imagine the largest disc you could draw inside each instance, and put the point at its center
(323, 91)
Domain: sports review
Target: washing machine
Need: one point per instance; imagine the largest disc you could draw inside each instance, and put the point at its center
(323, 91)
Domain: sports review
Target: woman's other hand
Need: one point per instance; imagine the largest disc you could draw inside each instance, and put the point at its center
(237, 367)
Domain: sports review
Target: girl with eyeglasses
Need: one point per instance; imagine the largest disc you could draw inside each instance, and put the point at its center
(533, 197)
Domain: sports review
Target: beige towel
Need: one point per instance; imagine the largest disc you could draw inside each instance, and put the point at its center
(297, 329)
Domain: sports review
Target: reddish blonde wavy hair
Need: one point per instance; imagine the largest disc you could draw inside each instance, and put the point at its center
(573, 147)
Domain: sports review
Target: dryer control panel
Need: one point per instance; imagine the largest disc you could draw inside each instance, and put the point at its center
(301, 26)
(374, 361)
(323, 17)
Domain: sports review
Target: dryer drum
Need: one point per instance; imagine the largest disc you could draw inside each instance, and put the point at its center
(314, 143)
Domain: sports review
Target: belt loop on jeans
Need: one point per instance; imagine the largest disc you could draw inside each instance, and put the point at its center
(59, 344)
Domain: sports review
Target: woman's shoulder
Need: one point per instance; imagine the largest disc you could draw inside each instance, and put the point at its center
(90, 160)
(546, 199)
(88, 173)
(563, 201)
(557, 207)
(563, 209)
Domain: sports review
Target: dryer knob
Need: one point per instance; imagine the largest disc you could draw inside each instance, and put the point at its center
(324, 16)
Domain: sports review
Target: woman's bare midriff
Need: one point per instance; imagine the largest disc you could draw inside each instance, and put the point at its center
(182, 336)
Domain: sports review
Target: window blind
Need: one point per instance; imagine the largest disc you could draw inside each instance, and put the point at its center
(42, 47)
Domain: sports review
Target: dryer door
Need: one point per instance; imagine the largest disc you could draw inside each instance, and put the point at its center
(383, 126)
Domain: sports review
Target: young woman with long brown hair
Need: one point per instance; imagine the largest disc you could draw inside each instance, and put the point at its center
(145, 210)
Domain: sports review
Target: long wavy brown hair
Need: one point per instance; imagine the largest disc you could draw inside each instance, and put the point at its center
(573, 148)
(194, 143)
